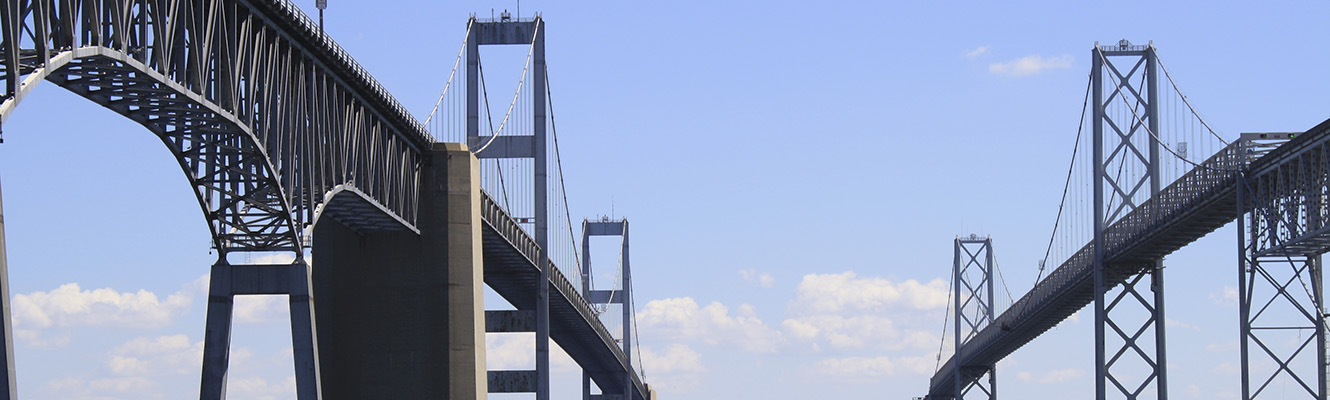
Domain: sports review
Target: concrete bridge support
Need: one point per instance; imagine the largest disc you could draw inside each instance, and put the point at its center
(402, 315)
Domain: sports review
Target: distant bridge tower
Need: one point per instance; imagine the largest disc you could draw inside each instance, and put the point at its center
(1126, 149)
(972, 276)
(622, 296)
(1281, 234)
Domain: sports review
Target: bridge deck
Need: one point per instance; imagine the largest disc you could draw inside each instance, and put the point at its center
(511, 270)
(1196, 204)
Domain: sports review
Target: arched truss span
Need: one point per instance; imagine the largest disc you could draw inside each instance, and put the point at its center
(272, 123)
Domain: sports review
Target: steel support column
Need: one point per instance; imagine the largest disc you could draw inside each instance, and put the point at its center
(1280, 288)
(227, 281)
(1132, 144)
(972, 278)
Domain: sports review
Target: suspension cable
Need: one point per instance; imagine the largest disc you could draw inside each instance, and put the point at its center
(558, 160)
(451, 74)
(1184, 99)
(946, 316)
(1084, 105)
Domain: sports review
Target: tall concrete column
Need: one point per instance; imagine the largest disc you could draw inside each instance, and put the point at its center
(401, 315)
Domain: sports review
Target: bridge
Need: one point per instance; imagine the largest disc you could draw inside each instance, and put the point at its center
(1272, 184)
(291, 146)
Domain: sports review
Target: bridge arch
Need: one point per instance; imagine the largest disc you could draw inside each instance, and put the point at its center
(271, 131)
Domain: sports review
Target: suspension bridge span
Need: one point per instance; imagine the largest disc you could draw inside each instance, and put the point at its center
(1272, 184)
(292, 147)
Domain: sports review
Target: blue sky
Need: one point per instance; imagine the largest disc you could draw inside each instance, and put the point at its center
(785, 165)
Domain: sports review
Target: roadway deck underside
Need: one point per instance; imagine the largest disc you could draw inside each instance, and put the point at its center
(511, 272)
(1200, 202)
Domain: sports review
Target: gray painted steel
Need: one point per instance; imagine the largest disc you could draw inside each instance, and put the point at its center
(226, 282)
(973, 253)
(1281, 238)
(265, 115)
(1120, 148)
(1199, 202)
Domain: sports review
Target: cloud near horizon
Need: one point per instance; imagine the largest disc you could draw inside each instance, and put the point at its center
(1030, 65)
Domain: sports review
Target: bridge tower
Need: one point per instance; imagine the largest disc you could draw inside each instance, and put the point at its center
(622, 296)
(972, 277)
(1281, 235)
(1130, 321)
(514, 31)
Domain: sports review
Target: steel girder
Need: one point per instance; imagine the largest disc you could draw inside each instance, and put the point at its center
(272, 123)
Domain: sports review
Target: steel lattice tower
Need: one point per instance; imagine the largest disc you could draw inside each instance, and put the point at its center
(1281, 224)
(1126, 139)
(972, 277)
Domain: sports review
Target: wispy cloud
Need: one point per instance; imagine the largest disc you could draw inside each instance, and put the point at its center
(975, 53)
(1030, 65)
(761, 279)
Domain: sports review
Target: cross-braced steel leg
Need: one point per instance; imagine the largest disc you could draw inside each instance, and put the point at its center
(1125, 143)
(973, 280)
(1283, 327)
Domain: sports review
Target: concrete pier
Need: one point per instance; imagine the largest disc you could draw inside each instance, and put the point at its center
(400, 315)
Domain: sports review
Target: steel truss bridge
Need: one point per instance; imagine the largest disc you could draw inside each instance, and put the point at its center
(275, 127)
(1273, 184)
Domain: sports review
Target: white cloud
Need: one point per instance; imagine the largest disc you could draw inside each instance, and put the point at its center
(864, 368)
(848, 312)
(69, 306)
(682, 318)
(253, 309)
(676, 358)
(1030, 65)
(761, 279)
(517, 351)
(1055, 376)
(833, 293)
(981, 50)
(1225, 296)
